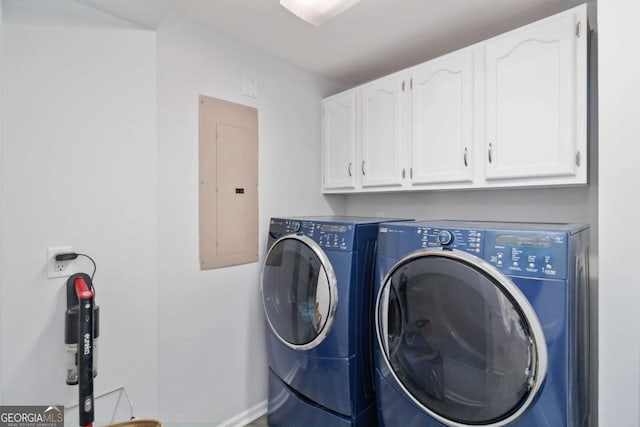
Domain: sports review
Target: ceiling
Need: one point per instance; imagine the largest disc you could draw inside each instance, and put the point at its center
(371, 39)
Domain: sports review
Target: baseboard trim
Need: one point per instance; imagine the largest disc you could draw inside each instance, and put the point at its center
(245, 417)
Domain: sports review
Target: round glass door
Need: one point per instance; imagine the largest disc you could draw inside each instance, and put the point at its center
(460, 338)
(299, 292)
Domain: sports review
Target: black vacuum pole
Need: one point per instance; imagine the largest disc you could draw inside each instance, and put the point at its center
(81, 286)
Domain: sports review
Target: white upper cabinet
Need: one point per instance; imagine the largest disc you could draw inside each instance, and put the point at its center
(442, 113)
(534, 100)
(510, 111)
(382, 131)
(339, 141)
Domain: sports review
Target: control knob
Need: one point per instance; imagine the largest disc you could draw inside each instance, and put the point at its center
(445, 237)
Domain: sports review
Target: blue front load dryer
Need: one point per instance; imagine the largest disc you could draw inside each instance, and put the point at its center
(317, 291)
(482, 324)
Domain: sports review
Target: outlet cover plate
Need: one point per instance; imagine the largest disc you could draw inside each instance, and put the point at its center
(250, 88)
(55, 268)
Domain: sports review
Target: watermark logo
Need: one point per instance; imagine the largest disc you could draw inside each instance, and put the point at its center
(31, 416)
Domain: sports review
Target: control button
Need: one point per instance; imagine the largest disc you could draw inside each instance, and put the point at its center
(549, 267)
(532, 265)
(296, 226)
(499, 262)
(445, 237)
(499, 256)
(477, 250)
(515, 263)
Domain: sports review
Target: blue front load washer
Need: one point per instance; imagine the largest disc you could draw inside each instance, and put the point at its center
(317, 291)
(482, 324)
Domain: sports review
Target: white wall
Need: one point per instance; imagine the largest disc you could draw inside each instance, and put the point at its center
(539, 205)
(1, 189)
(619, 212)
(78, 168)
(212, 363)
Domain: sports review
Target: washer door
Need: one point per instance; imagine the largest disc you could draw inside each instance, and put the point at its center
(460, 338)
(299, 292)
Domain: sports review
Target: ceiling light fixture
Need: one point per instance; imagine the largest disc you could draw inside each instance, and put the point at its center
(317, 11)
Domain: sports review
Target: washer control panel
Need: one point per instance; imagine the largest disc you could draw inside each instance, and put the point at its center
(531, 254)
(540, 254)
(468, 240)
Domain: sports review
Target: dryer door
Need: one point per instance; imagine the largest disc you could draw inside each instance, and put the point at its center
(459, 338)
(299, 292)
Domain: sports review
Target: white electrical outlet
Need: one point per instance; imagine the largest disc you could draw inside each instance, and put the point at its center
(58, 268)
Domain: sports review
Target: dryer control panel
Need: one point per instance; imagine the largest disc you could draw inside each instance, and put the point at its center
(330, 236)
(281, 227)
(334, 236)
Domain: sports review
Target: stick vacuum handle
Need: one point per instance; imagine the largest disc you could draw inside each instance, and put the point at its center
(85, 350)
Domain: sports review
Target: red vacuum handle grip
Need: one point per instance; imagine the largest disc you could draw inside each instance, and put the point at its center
(82, 289)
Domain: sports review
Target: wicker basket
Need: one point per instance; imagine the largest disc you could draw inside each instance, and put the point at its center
(138, 423)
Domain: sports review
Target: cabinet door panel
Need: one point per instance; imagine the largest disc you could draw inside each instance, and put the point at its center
(339, 141)
(382, 132)
(530, 101)
(442, 104)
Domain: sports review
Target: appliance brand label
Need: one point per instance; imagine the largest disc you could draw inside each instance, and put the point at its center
(87, 344)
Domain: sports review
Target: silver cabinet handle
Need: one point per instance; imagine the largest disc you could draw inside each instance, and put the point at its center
(349, 169)
(363, 168)
(490, 150)
(403, 174)
(466, 153)
(411, 173)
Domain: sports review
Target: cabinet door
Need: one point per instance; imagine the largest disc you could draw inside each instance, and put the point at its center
(382, 120)
(532, 75)
(339, 141)
(442, 105)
